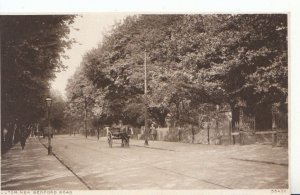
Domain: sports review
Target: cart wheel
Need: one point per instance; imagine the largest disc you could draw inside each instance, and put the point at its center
(128, 142)
(110, 143)
(122, 144)
(125, 142)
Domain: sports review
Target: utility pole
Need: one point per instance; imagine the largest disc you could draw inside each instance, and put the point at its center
(85, 117)
(146, 101)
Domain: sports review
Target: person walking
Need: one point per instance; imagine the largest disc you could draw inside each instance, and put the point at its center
(4, 144)
(153, 131)
(23, 137)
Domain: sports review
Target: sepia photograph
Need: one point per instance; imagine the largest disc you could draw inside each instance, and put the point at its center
(139, 101)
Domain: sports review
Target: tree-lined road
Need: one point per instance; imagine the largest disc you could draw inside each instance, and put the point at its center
(167, 165)
(178, 71)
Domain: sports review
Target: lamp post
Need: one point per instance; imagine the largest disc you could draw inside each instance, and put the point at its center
(85, 111)
(49, 102)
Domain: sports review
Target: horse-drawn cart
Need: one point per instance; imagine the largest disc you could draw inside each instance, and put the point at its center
(123, 133)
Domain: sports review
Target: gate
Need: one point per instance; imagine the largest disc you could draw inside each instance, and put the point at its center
(243, 131)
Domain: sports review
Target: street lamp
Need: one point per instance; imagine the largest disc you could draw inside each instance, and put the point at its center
(85, 111)
(49, 102)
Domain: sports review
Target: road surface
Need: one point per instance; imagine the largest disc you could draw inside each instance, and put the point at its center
(166, 165)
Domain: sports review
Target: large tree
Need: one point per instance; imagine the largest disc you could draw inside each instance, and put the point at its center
(31, 51)
(249, 59)
(32, 48)
(191, 59)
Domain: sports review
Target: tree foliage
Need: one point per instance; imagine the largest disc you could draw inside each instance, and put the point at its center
(57, 111)
(191, 60)
(31, 51)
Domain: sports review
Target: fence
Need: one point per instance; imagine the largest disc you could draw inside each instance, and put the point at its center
(245, 131)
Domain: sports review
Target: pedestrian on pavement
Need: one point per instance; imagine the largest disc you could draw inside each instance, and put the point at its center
(4, 141)
(23, 137)
(153, 131)
(4, 133)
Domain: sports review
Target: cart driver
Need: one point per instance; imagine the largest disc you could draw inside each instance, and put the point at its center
(125, 128)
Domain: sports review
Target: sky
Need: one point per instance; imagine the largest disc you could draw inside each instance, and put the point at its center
(90, 32)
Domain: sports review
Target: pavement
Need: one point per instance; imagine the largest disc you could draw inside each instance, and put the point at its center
(90, 164)
(33, 169)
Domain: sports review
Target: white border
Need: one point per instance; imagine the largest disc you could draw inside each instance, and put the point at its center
(75, 6)
(194, 6)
